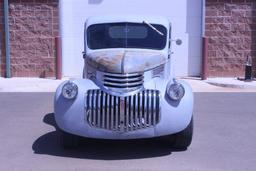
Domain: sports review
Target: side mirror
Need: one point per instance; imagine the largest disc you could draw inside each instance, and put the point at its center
(178, 41)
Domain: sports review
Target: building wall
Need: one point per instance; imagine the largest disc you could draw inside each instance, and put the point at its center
(2, 49)
(231, 28)
(33, 26)
(184, 15)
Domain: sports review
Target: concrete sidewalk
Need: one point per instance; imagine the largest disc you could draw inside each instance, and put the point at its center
(220, 85)
(50, 85)
(28, 84)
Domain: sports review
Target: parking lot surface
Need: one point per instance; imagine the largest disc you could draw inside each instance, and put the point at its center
(224, 139)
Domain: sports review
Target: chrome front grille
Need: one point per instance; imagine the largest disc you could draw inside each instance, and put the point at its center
(121, 82)
(138, 111)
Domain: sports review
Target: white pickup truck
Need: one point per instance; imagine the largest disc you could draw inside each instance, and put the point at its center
(128, 90)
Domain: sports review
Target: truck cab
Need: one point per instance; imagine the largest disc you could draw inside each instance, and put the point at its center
(128, 89)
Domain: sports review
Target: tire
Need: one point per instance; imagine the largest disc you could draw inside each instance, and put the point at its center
(183, 139)
(68, 140)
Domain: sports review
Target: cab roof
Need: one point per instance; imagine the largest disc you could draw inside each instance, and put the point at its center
(132, 19)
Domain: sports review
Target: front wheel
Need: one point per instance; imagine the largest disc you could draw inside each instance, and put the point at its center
(68, 140)
(183, 139)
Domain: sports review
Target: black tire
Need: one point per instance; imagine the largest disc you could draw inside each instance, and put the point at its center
(68, 140)
(183, 139)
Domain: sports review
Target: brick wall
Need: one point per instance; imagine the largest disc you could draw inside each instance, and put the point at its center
(33, 26)
(2, 47)
(231, 28)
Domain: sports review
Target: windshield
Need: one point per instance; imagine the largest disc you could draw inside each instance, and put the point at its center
(126, 35)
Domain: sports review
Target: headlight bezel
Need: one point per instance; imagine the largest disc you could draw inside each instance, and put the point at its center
(69, 90)
(175, 91)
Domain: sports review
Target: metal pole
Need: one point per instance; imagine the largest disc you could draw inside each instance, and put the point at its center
(58, 58)
(204, 74)
(205, 59)
(7, 38)
(203, 18)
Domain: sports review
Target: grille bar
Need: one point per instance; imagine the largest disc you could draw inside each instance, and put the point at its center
(122, 84)
(123, 79)
(128, 82)
(130, 113)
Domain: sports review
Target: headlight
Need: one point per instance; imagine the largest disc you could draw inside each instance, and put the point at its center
(175, 91)
(69, 90)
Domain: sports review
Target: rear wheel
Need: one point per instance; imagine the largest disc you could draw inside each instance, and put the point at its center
(68, 140)
(183, 139)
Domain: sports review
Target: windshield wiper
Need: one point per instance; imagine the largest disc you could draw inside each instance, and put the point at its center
(150, 25)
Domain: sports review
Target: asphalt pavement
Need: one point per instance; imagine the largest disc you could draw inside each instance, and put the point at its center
(224, 139)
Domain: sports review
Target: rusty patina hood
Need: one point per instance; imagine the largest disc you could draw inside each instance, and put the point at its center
(125, 61)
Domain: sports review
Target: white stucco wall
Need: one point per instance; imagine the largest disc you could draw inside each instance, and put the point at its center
(185, 16)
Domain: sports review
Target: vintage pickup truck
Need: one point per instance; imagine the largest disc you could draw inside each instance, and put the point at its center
(128, 89)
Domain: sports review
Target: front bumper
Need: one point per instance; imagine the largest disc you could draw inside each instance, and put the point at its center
(71, 117)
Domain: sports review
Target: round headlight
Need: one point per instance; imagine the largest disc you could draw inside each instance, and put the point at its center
(175, 91)
(69, 90)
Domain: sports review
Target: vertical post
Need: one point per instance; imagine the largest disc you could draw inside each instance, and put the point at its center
(7, 38)
(205, 58)
(203, 18)
(204, 73)
(58, 58)
(248, 69)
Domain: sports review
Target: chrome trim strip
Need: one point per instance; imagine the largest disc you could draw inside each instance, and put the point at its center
(103, 110)
(98, 108)
(107, 111)
(116, 112)
(123, 75)
(123, 85)
(126, 79)
(140, 109)
(126, 112)
(135, 103)
(94, 107)
(111, 112)
(158, 106)
(149, 107)
(154, 107)
(122, 113)
(145, 109)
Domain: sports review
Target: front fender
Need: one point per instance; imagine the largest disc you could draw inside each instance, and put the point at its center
(73, 109)
(175, 115)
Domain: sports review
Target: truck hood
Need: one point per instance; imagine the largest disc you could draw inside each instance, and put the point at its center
(123, 61)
